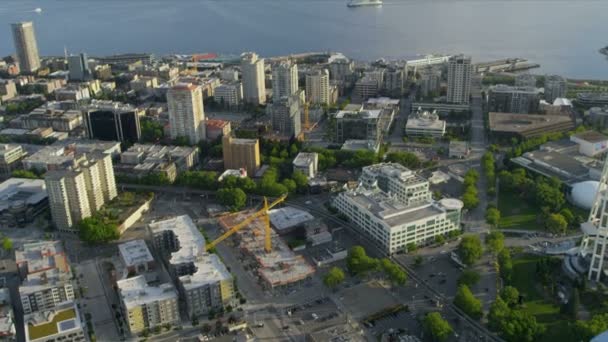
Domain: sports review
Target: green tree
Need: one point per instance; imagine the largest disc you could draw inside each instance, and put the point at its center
(234, 198)
(358, 262)
(556, 224)
(505, 265)
(7, 244)
(492, 216)
(300, 180)
(513, 325)
(569, 216)
(96, 230)
(334, 277)
(495, 241)
(290, 185)
(465, 300)
(407, 159)
(436, 327)
(151, 131)
(470, 198)
(469, 277)
(470, 249)
(394, 273)
(549, 194)
(24, 174)
(588, 329)
(510, 295)
(411, 247)
(439, 239)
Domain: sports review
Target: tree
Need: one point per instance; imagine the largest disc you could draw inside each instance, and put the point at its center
(395, 274)
(290, 185)
(435, 326)
(151, 131)
(418, 260)
(556, 224)
(439, 239)
(492, 216)
(495, 241)
(300, 180)
(232, 197)
(334, 277)
(411, 247)
(7, 244)
(470, 197)
(407, 159)
(569, 216)
(512, 324)
(588, 329)
(549, 194)
(470, 249)
(505, 265)
(24, 174)
(467, 302)
(510, 295)
(468, 277)
(358, 262)
(96, 230)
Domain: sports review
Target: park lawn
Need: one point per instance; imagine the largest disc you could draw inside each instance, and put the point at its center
(516, 213)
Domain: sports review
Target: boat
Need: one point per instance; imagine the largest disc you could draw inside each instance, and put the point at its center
(361, 3)
(38, 10)
(604, 50)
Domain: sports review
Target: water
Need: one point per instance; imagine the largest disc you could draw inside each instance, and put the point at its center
(563, 36)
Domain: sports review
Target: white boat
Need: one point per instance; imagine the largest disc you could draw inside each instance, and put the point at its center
(38, 10)
(360, 3)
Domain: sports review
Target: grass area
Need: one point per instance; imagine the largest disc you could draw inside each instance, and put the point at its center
(50, 328)
(515, 213)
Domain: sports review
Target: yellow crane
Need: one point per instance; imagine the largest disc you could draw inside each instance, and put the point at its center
(264, 214)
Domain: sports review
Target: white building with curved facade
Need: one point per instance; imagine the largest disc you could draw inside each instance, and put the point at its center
(425, 124)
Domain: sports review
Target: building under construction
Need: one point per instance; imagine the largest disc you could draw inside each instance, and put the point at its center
(276, 268)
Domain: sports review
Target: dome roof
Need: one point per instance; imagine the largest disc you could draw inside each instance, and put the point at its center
(583, 194)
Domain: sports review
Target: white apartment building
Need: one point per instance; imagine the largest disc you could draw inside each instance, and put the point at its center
(26, 46)
(317, 87)
(252, 70)
(186, 112)
(390, 222)
(307, 163)
(284, 79)
(229, 94)
(460, 72)
(146, 306)
(47, 275)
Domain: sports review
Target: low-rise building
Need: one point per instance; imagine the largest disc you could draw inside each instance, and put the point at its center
(61, 116)
(21, 201)
(45, 85)
(72, 93)
(458, 149)
(507, 125)
(217, 128)
(62, 323)
(598, 117)
(405, 184)
(425, 124)
(10, 158)
(8, 90)
(143, 159)
(307, 163)
(136, 257)
(146, 306)
(142, 83)
(591, 143)
(592, 99)
(359, 125)
(507, 99)
(48, 278)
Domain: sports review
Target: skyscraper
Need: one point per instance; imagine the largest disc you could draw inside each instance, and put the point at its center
(78, 66)
(186, 112)
(112, 121)
(284, 80)
(460, 71)
(555, 87)
(285, 115)
(25, 44)
(252, 69)
(317, 87)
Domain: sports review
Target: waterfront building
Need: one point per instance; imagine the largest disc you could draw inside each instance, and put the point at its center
(78, 67)
(112, 121)
(241, 153)
(317, 87)
(285, 115)
(555, 87)
(284, 80)
(26, 46)
(252, 70)
(460, 72)
(307, 163)
(341, 69)
(229, 95)
(63, 323)
(506, 99)
(425, 124)
(186, 112)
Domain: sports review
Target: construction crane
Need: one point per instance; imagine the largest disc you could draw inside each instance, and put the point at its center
(261, 213)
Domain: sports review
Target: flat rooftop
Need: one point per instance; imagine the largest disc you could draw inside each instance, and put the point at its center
(135, 252)
(16, 190)
(209, 270)
(192, 242)
(517, 123)
(364, 114)
(46, 265)
(44, 324)
(591, 136)
(136, 292)
(304, 159)
(287, 217)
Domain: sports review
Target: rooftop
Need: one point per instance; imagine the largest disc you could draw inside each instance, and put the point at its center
(365, 114)
(192, 243)
(136, 292)
(288, 217)
(591, 136)
(42, 325)
(135, 252)
(209, 270)
(517, 123)
(304, 159)
(46, 265)
(393, 170)
(216, 123)
(15, 191)
(553, 164)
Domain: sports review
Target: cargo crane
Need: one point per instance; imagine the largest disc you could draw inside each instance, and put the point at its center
(260, 213)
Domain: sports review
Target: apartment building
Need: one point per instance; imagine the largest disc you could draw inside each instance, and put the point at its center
(241, 153)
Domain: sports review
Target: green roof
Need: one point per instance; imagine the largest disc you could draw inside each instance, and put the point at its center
(50, 328)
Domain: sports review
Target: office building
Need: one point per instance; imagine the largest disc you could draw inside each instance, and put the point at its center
(203, 281)
(73, 92)
(425, 124)
(307, 163)
(47, 276)
(21, 201)
(146, 306)
(341, 69)
(63, 323)
(141, 160)
(393, 207)
(317, 87)
(26, 46)
(429, 81)
(252, 70)
(284, 80)
(78, 67)
(460, 72)
(241, 153)
(395, 78)
(10, 159)
(285, 115)
(592, 99)
(506, 99)
(77, 192)
(555, 87)
(229, 75)
(508, 125)
(525, 80)
(112, 121)
(229, 95)
(186, 112)
(365, 88)
(598, 117)
(358, 125)
(60, 116)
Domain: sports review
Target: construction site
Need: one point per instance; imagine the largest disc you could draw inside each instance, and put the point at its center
(277, 266)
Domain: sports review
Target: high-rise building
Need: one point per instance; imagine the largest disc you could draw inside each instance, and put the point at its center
(394, 80)
(555, 87)
(78, 67)
(285, 116)
(506, 99)
(252, 70)
(229, 95)
(317, 87)
(26, 46)
(460, 72)
(430, 80)
(112, 121)
(525, 80)
(186, 112)
(241, 153)
(284, 80)
(77, 192)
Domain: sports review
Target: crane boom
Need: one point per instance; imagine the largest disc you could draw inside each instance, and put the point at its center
(239, 226)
